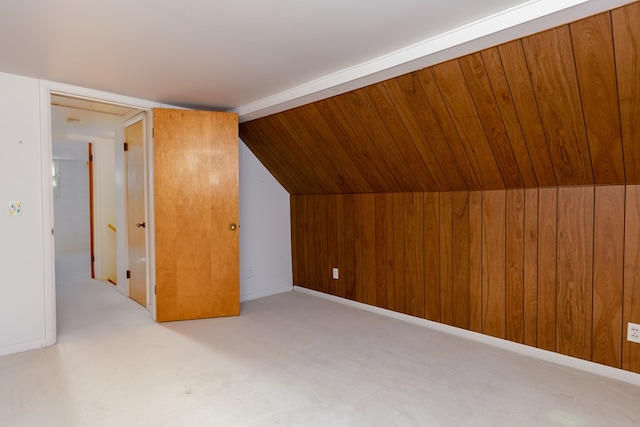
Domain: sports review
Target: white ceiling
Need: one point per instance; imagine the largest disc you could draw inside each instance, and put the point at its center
(250, 55)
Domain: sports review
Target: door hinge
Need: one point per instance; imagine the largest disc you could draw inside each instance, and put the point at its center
(126, 147)
(155, 290)
(93, 258)
(153, 132)
(91, 158)
(128, 274)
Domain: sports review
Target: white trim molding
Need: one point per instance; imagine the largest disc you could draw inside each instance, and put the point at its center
(520, 21)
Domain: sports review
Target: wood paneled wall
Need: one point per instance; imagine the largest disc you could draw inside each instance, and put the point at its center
(554, 268)
(552, 109)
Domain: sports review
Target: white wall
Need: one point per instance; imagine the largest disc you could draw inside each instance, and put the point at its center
(265, 231)
(27, 310)
(71, 204)
(22, 317)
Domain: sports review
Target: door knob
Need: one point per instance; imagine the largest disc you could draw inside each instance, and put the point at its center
(233, 226)
(141, 224)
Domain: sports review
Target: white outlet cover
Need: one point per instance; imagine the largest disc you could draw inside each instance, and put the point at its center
(633, 332)
(15, 208)
(335, 274)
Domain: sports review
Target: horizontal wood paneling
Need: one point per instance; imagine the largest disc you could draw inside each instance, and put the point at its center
(554, 268)
(554, 108)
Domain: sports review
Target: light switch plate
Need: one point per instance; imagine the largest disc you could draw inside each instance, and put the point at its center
(15, 208)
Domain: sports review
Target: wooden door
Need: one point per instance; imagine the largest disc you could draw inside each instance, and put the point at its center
(136, 231)
(196, 214)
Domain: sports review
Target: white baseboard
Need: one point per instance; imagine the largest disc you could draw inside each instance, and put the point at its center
(18, 348)
(547, 356)
(270, 292)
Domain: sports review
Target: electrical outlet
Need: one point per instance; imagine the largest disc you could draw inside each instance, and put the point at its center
(633, 332)
(335, 274)
(249, 271)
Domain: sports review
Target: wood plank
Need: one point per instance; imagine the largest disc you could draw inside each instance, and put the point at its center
(631, 302)
(358, 214)
(626, 36)
(593, 50)
(515, 265)
(391, 266)
(396, 135)
(608, 270)
(483, 98)
(414, 253)
(450, 81)
(369, 248)
(417, 116)
(475, 261)
(507, 109)
(524, 99)
(341, 246)
(493, 263)
(460, 259)
(553, 73)
(339, 117)
(332, 244)
(381, 245)
(575, 271)
(350, 266)
(398, 253)
(432, 255)
(296, 239)
(446, 258)
(353, 108)
(310, 252)
(335, 149)
(449, 131)
(531, 267)
(322, 235)
(547, 267)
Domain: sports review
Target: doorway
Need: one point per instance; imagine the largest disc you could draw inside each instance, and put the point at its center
(76, 122)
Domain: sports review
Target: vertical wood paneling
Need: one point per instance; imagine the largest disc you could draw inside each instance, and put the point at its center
(631, 293)
(333, 238)
(369, 247)
(360, 261)
(493, 263)
(296, 240)
(446, 258)
(575, 271)
(432, 256)
(323, 266)
(593, 47)
(531, 267)
(460, 257)
(547, 267)
(475, 261)
(414, 253)
(348, 276)
(552, 268)
(514, 253)
(381, 250)
(626, 37)
(389, 249)
(398, 252)
(552, 67)
(608, 267)
(341, 246)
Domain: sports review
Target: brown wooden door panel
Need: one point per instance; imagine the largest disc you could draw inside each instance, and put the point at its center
(196, 203)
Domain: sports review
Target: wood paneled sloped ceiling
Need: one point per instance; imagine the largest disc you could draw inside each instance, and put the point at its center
(552, 109)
